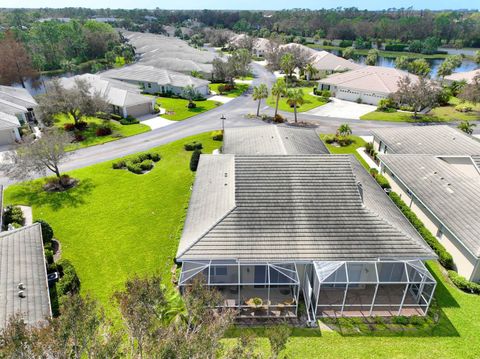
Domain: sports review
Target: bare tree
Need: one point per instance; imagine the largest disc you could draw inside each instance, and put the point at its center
(471, 92)
(417, 94)
(37, 156)
(77, 102)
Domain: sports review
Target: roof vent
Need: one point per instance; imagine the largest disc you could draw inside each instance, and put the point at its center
(360, 190)
(21, 286)
(21, 294)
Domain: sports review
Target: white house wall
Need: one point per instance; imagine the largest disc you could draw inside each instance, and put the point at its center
(349, 94)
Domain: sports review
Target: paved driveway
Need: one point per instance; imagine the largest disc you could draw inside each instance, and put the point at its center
(343, 109)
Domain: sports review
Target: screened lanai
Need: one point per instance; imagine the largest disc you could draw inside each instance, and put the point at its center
(382, 288)
(264, 289)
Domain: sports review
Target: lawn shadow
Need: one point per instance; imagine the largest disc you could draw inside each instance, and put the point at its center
(33, 194)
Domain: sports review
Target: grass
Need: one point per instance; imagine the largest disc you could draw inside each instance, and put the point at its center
(116, 223)
(311, 101)
(395, 117)
(91, 139)
(177, 109)
(237, 91)
(350, 149)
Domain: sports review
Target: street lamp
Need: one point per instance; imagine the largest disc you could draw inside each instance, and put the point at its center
(223, 118)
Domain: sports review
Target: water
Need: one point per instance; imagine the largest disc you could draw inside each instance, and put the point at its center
(467, 65)
(37, 86)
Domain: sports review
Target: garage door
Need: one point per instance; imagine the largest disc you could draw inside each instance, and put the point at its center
(139, 110)
(6, 137)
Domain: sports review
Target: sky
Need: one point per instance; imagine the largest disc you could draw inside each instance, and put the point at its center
(245, 4)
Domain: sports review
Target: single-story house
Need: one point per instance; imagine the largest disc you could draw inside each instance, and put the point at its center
(367, 84)
(260, 47)
(126, 99)
(23, 279)
(16, 108)
(270, 231)
(467, 76)
(272, 140)
(154, 80)
(328, 62)
(436, 171)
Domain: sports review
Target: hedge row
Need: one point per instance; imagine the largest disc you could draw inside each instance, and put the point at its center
(69, 281)
(444, 257)
(462, 283)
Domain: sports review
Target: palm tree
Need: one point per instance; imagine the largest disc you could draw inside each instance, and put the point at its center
(278, 89)
(259, 93)
(310, 71)
(344, 130)
(189, 93)
(287, 64)
(466, 126)
(295, 98)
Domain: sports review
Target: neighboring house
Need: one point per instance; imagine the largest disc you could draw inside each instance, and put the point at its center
(154, 80)
(436, 171)
(16, 108)
(467, 76)
(260, 47)
(327, 62)
(23, 279)
(126, 99)
(267, 231)
(367, 84)
(272, 140)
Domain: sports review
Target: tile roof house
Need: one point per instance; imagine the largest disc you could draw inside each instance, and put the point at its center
(267, 227)
(126, 99)
(436, 171)
(467, 76)
(155, 80)
(23, 276)
(370, 84)
(16, 108)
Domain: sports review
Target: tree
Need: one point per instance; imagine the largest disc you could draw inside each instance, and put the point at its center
(245, 347)
(278, 337)
(372, 57)
(295, 99)
(419, 67)
(189, 93)
(467, 126)
(449, 64)
(348, 52)
(15, 65)
(344, 130)
(477, 56)
(278, 89)
(260, 92)
(417, 94)
(471, 92)
(76, 102)
(310, 71)
(37, 156)
(239, 62)
(402, 63)
(287, 64)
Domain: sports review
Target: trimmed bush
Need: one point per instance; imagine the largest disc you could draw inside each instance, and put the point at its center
(69, 281)
(368, 147)
(134, 168)
(146, 165)
(345, 43)
(444, 257)
(47, 231)
(329, 139)
(382, 181)
(119, 164)
(400, 319)
(325, 93)
(129, 120)
(463, 284)
(463, 108)
(155, 157)
(373, 172)
(13, 214)
(103, 131)
(193, 146)
(386, 105)
(194, 160)
(69, 127)
(217, 135)
(116, 117)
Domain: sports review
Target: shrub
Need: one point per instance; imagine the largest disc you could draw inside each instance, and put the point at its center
(386, 105)
(222, 89)
(193, 146)
(192, 105)
(373, 172)
(47, 231)
(444, 257)
(13, 214)
(417, 320)
(194, 160)
(462, 283)
(400, 319)
(278, 118)
(69, 281)
(141, 157)
(217, 135)
(69, 127)
(118, 165)
(345, 43)
(329, 139)
(463, 108)
(116, 117)
(103, 131)
(129, 121)
(368, 147)
(325, 93)
(156, 109)
(81, 125)
(444, 96)
(343, 141)
(155, 157)
(382, 181)
(395, 47)
(134, 168)
(146, 165)
(79, 137)
(48, 256)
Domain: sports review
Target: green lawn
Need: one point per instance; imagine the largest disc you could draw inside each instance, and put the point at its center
(237, 91)
(177, 109)
(448, 113)
(352, 148)
(116, 223)
(311, 101)
(91, 139)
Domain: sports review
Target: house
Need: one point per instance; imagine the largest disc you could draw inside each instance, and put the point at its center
(270, 231)
(272, 140)
(436, 171)
(367, 84)
(154, 80)
(327, 62)
(16, 108)
(260, 47)
(23, 279)
(126, 99)
(467, 76)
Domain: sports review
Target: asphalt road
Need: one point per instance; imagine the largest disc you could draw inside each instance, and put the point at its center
(236, 113)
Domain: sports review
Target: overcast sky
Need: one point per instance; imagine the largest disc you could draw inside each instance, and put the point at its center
(245, 4)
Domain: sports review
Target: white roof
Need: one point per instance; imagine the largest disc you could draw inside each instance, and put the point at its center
(8, 121)
(15, 100)
(369, 78)
(324, 60)
(138, 72)
(463, 76)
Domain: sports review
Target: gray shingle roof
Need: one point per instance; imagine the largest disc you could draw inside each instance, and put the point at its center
(305, 207)
(272, 140)
(428, 140)
(22, 261)
(452, 196)
(17, 96)
(8, 121)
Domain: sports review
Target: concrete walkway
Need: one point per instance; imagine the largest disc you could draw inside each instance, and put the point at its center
(342, 109)
(220, 98)
(27, 213)
(157, 122)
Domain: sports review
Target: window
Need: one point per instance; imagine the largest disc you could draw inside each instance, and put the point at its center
(439, 233)
(217, 270)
